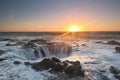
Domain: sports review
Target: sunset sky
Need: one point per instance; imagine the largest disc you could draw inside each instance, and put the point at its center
(59, 15)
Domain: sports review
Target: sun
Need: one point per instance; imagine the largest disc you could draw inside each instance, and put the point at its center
(74, 28)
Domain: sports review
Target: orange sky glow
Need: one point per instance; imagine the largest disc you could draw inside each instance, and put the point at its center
(54, 15)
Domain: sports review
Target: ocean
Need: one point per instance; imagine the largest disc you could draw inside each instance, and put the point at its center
(91, 35)
(93, 49)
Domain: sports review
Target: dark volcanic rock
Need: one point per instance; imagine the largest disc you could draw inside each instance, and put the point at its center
(16, 62)
(114, 70)
(56, 65)
(76, 63)
(103, 77)
(29, 45)
(15, 43)
(12, 40)
(117, 49)
(54, 48)
(55, 59)
(9, 44)
(74, 70)
(39, 40)
(20, 43)
(66, 62)
(91, 63)
(47, 63)
(84, 45)
(1, 59)
(2, 52)
(5, 39)
(44, 64)
(113, 42)
(36, 66)
(58, 68)
(27, 63)
(99, 42)
(42, 52)
(117, 76)
(36, 53)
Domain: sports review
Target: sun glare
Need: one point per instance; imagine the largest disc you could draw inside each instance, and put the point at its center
(74, 28)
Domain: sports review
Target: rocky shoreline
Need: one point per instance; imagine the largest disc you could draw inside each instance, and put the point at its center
(66, 69)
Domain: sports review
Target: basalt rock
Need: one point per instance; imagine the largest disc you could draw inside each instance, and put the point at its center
(27, 63)
(20, 43)
(67, 62)
(114, 70)
(58, 67)
(1, 59)
(16, 62)
(117, 76)
(117, 49)
(113, 42)
(100, 42)
(42, 52)
(55, 59)
(70, 68)
(36, 53)
(43, 48)
(44, 65)
(74, 70)
(83, 44)
(11, 44)
(29, 45)
(15, 43)
(38, 41)
(2, 52)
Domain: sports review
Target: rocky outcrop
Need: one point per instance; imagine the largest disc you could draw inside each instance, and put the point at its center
(115, 71)
(2, 59)
(2, 52)
(15, 43)
(55, 59)
(117, 76)
(44, 64)
(27, 63)
(16, 62)
(70, 68)
(43, 48)
(113, 42)
(117, 49)
(74, 70)
(11, 44)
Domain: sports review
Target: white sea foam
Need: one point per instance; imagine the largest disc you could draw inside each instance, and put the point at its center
(101, 55)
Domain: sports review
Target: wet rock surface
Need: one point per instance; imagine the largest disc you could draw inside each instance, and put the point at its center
(115, 71)
(117, 76)
(17, 62)
(7, 39)
(10, 44)
(2, 59)
(113, 42)
(117, 49)
(44, 47)
(2, 52)
(74, 70)
(15, 43)
(27, 63)
(70, 68)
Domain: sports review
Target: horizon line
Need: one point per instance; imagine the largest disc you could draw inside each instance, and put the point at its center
(59, 31)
